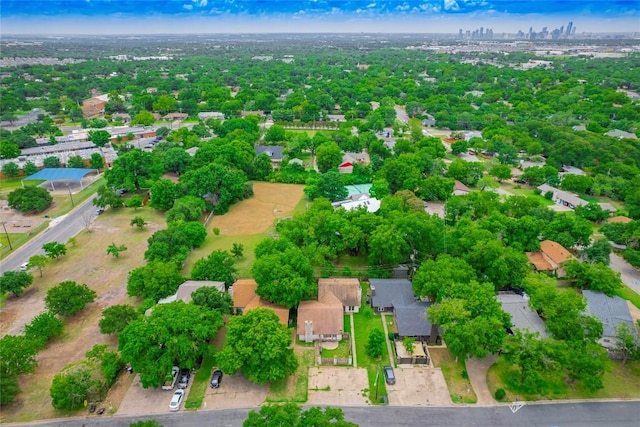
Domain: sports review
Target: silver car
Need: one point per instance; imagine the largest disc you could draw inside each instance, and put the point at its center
(176, 400)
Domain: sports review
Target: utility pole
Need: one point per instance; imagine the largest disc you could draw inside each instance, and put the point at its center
(70, 196)
(7, 234)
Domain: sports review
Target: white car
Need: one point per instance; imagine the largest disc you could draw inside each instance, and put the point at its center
(176, 400)
(24, 266)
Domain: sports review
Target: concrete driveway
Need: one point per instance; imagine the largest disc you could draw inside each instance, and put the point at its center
(235, 391)
(147, 401)
(418, 386)
(337, 386)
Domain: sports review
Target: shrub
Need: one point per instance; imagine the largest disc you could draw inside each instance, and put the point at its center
(43, 327)
(500, 394)
(465, 374)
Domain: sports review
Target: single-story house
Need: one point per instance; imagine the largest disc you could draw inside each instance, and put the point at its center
(322, 319)
(522, 317)
(459, 189)
(352, 157)
(370, 204)
(579, 127)
(336, 118)
(563, 197)
(551, 258)
(572, 170)
(187, 288)
(124, 117)
(345, 289)
(396, 296)
(384, 292)
(273, 151)
(612, 312)
(346, 167)
(92, 108)
(429, 121)
(620, 134)
(204, 115)
(243, 293)
(176, 116)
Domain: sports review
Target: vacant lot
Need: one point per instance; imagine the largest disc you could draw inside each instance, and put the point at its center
(338, 386)
(86, 262)
(249, 222)
(454, 372)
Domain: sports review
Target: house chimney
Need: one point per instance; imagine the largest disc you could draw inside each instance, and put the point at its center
(373, 290)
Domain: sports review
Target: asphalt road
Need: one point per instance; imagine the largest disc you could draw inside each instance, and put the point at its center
(588, 414)
(629, 275)
(60, 230)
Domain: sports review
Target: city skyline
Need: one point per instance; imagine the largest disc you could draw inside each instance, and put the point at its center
(279, 16)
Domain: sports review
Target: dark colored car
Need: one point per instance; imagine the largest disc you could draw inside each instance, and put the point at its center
(183, 382)
(216, 378)
(389, 376)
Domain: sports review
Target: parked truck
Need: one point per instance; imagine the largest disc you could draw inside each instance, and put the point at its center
(170, 380)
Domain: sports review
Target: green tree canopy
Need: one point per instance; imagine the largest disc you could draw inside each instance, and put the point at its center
(116, 318)
(173, 334)
(211, 298)
(67, 298)
(29, 199)
(218, 266)
(258, 345)
(291, 415)
(15, 282)
(155, 280)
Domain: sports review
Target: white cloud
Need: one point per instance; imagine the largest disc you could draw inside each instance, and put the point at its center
(403, 7)
(203, 3)
(371, 5)
(451, 5)
(187, 6)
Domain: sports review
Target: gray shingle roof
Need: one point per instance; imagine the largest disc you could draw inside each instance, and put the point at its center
(522, 317)
(411, 320)
(391, 292)
(273, 151)
(610, 311)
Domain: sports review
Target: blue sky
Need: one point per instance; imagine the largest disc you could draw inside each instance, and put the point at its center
(241, 16)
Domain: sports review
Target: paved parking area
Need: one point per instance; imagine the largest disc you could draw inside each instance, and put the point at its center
(143, 401)
(235, 391)
(418, 386)
(337, 386)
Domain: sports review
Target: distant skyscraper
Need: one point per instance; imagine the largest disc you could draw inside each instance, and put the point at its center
(569, 27)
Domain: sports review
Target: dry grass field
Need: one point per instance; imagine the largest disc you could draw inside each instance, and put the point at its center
(86, 262)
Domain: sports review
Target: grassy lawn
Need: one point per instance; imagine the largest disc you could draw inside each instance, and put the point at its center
(9, 184)
(528, 192)
(629, 294)
(200, 382)
(347, 324)
(295, 388)
(364, 322)
(459, 387)
(343, 350)
(620, 382)
(213, 242)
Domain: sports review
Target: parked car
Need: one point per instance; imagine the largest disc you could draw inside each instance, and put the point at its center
(170, 380)
(121, 191)
(99, 211)
(216, 378)
(24, 266)
(176, 400)
(184, 378)
(389, 376)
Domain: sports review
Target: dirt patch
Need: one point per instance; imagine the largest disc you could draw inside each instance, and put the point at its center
(88, 263)
(257, 214)
(330, 385)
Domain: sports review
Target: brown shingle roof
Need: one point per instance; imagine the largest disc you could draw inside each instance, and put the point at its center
(244, 290)
(620, 218)
(555, 251)
(259, 302)
(325, 314)
(346, 290)
(538, 261)
(459, 186)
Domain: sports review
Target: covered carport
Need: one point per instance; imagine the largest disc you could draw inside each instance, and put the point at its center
(51, 175)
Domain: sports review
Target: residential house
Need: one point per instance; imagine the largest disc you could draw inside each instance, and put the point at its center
(245, 113)
(336, 118)
(346, 290)
(351, 157)
(123, 117)
(187, 288)
(612, 312)
(273, 151)
(429, 121)
(550, 258)
(522, 317)
(459, 189)
(205, 115)
(245, 299)
(578, 128)
(322, 319)
(346, 167)
(620, 134)
(396, 296)
(563, 197)
(572, 170)
(372, 205)
(175, 116)
(355, 191)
